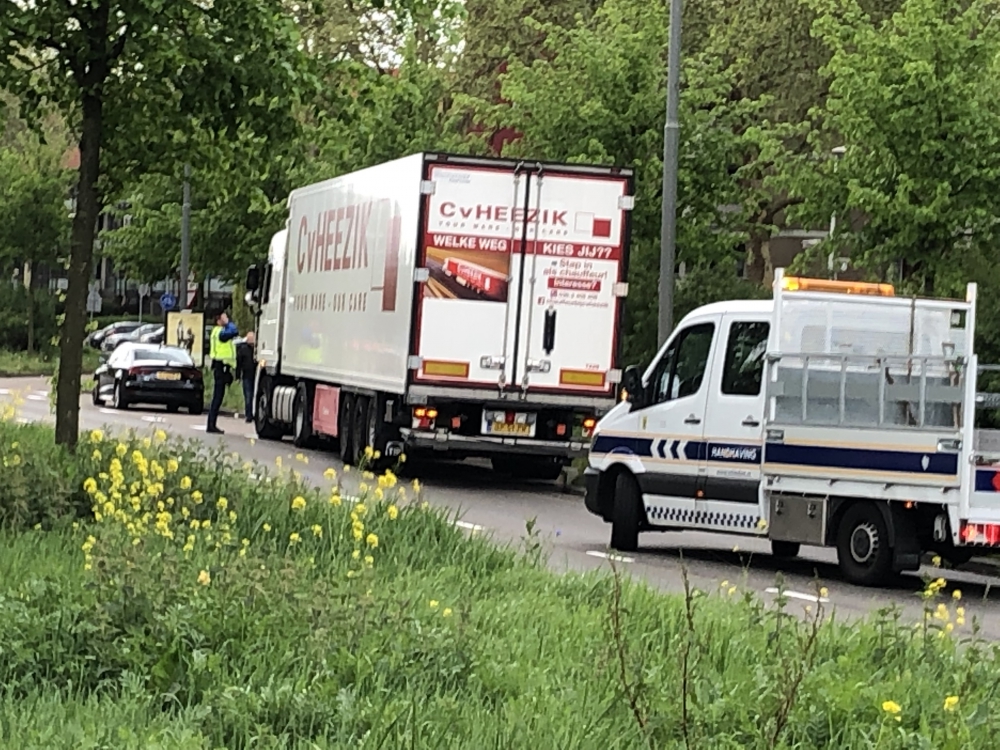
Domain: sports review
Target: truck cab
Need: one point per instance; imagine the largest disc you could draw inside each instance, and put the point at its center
(835, 414)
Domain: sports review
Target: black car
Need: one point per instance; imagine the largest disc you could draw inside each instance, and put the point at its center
(122, 326)
(150, 374)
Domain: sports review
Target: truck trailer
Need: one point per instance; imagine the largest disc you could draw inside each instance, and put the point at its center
(836, 414)
(448, 306)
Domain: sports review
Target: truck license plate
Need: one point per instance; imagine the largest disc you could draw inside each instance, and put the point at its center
(509, 424)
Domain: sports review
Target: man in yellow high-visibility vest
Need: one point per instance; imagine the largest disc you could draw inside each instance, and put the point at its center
(222, 352)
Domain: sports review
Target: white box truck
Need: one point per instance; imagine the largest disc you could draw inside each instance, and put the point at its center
(836, 414)
(446, 305)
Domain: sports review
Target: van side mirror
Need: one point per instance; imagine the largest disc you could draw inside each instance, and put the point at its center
(253, 278)
(632, 388)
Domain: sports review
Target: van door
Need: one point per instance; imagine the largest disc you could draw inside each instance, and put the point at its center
(733, 432)
(678, 384)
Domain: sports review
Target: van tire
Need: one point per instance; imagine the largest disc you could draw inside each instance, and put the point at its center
(784, 550)
(863, 550)
(627, 514)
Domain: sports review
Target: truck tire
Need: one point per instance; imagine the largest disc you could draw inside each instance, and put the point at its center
(627, 514)
(302, 432)
(863, 550)
(784, 550)
(359, 429)
(345, 428)
(265, 428)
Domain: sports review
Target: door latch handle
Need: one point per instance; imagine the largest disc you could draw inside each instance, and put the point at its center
(751, 422)
(692, 420)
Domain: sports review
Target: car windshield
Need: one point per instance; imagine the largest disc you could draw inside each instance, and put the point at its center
(173, 356)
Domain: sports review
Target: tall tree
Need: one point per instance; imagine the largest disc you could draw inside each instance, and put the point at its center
(134, 76)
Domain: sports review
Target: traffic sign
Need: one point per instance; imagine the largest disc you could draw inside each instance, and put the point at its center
(94, 302)
(168, 301)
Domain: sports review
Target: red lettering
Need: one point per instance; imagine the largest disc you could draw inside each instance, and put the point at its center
(390, 275)
(300, 259)
(501, 213)
(338, 234)
(558, 217)
(484, 212)
(466, 212)
(447, 209)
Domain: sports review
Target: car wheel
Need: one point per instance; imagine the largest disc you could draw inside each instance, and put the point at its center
(173, 408)
(120, 400)
(196, 408)
(95, 394)
(784, 550)
(863, 550)
(627, 514)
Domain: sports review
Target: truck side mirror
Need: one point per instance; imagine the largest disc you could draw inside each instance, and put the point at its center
(632, 387)
(253, 278)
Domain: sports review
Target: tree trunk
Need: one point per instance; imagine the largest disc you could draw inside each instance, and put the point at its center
(80, 268)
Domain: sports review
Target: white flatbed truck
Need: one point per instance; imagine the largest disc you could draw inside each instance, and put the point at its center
(836, 414)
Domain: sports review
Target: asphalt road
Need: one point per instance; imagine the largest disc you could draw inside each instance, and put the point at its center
(488, 504)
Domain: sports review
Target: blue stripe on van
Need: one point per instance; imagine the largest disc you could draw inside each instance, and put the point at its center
(903, 462)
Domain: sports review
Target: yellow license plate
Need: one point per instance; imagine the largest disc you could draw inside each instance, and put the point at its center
(168, 376)
(511, 428)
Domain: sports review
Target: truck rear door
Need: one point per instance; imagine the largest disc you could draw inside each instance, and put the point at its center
(525, 270)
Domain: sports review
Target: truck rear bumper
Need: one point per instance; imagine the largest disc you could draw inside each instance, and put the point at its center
(482, 445)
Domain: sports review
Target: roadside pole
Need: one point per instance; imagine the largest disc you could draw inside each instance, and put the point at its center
(182, 296)
(671, 145)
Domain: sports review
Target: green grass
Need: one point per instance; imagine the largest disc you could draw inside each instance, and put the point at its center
(443, 641)
(33, 364)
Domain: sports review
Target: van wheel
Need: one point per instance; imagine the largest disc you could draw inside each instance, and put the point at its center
(345, 428)
(627, 514)
(302, 432)
(784, 550)
(863, 550)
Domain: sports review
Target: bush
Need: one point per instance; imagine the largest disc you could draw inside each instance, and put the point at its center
(211, 603)
(14, 306)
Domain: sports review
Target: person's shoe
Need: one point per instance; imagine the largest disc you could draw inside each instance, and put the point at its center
(214, 431)
(249, 420)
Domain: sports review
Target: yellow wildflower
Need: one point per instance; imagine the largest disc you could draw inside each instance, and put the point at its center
(402, 458)
(207, 523)
(936, 561)
(232, 516)
(96, 436)
(204, 578)
(393, 512)
(369, 451)
(222, 503)
(90, 485)
(294, 538)
(941, 612)
(359, 509)
(731, 591)
(951, 703)
(893, 709)
(433, 603)
(277, 461)
(330, 474)
(160, 435)
(356, 555)
(96, 455)
(446, 612)
(949, 627)
(372, 540)
(298, 503)
(369, 560)
(301, 459)
(172, 465)
(416, 485)
(185, 483)
(121, 449)
(824, 592)
(317, 531)
(335, 500)
(146, 442)
(956, 595)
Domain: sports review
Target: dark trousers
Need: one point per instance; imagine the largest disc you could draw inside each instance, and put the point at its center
(220, 378)
(248, 396)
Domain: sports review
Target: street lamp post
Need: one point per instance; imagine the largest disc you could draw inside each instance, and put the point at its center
(671, 143)
(838, 152)
(185, 239)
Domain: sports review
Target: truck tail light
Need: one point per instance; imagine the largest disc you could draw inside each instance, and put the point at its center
(588, 426)
(423, 418)
(981, 533)
(560, 430)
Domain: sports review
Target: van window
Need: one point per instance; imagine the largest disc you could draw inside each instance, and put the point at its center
(682, 368)
(744, 367)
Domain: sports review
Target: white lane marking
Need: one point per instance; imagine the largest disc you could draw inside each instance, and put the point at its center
(23, 420)
(612, 558)
(199, 427)
(153, 419)
(797, 595)
(469, 526)
(4, 391)
(36, 397)
(251, 436)
(108, 411)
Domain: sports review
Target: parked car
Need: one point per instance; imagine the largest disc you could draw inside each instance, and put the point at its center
(147, 374)
(153, 337)
(97, 338)
(112, 342)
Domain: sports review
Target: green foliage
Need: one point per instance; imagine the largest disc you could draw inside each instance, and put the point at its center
(16, 305)
(208, 603)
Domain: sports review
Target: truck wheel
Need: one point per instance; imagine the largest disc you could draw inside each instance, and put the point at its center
(863, 550)
(302, 432)
(345, 428)
(626, 516)
(784, 550)
(266, 430)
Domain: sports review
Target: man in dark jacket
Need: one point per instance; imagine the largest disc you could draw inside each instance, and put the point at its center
(222, 353)
(246, 372)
